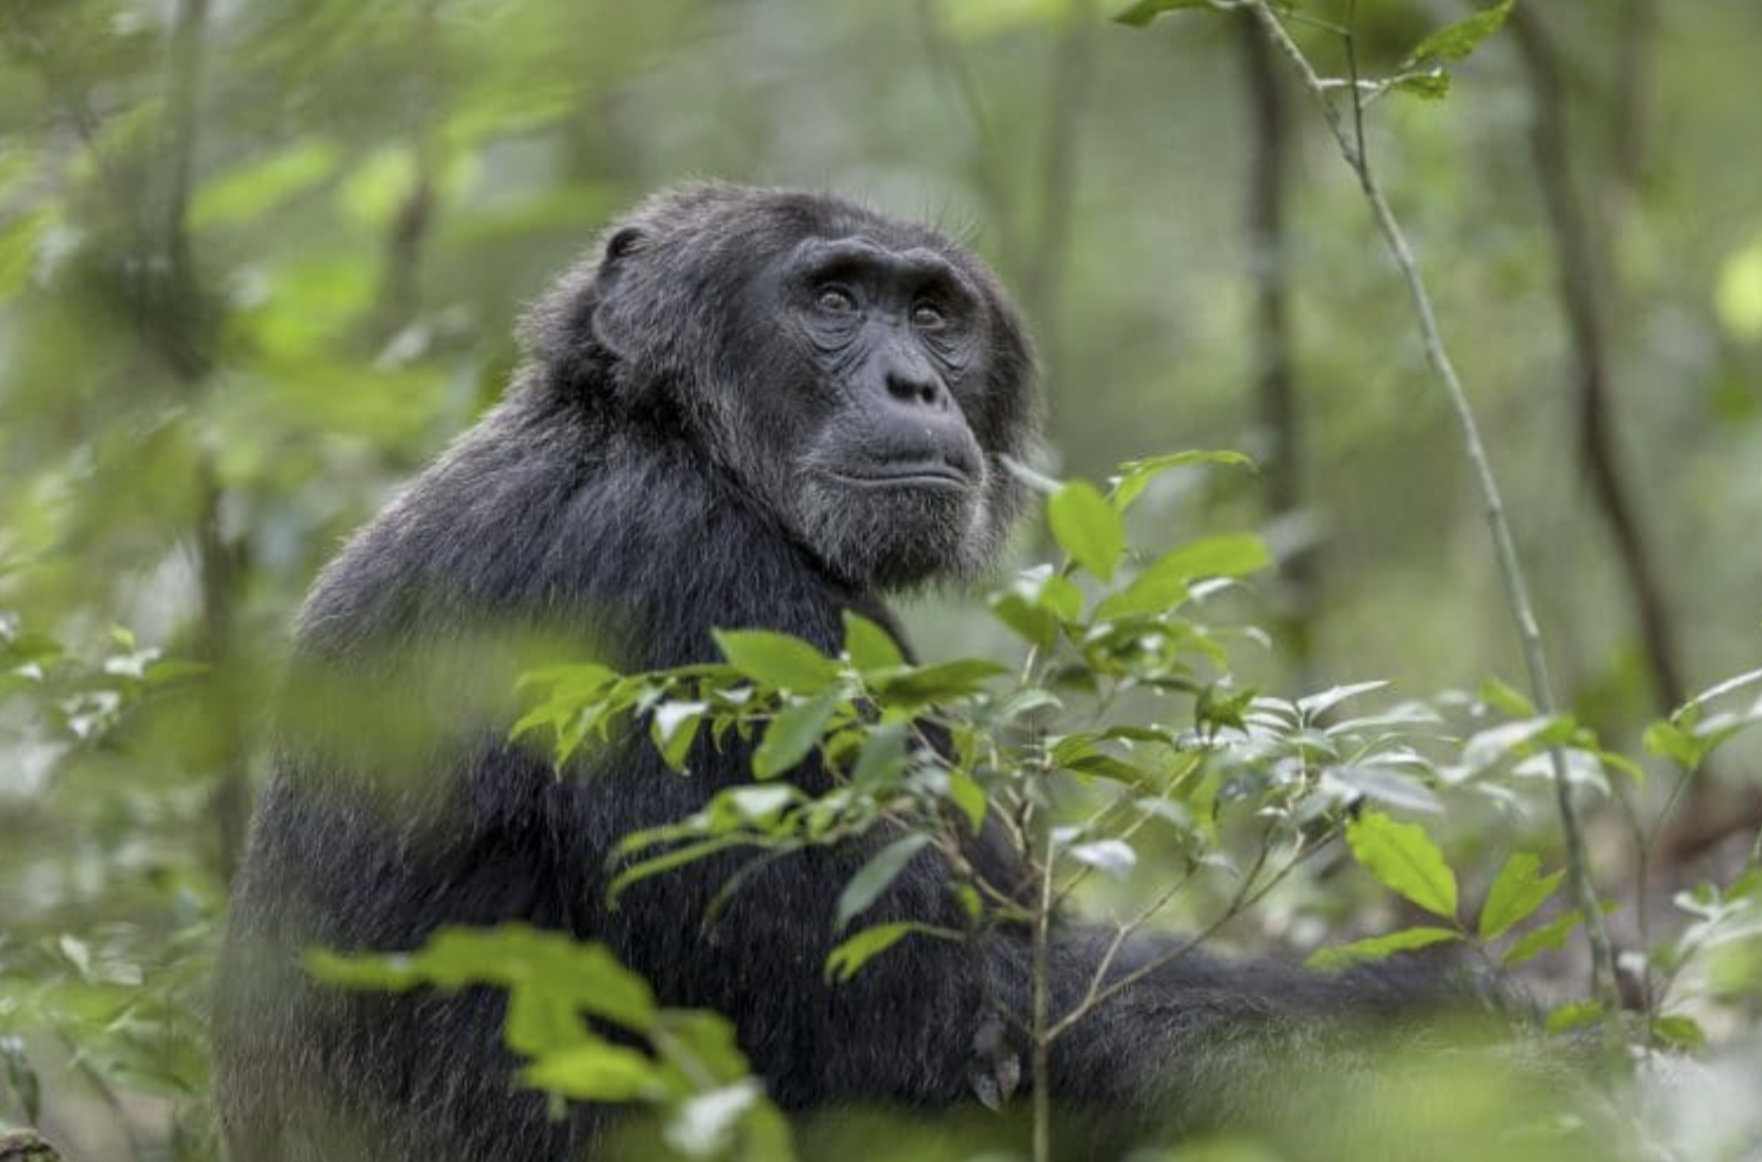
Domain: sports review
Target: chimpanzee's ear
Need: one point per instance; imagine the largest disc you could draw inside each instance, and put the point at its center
(610, 320)
(621, 245)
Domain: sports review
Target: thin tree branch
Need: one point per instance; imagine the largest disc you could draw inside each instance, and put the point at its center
(1042, 1031)
(1505, 549)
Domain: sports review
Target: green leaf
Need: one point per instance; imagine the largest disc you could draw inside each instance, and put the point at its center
(882, 758)
(1311, 707)
(1087, 527)
(1574, 1015)
(941, 682)
(965, 793)
(1164, 584)
(843, 961)
(584, 977)
(1062, 596)
(1667, 740)
(792, 734)
(1550, 935)
(1516, 893)
(1378, 947)
(1233, 555)
(1454, 42)
(1142, 13)
(882, 869)
(596, 1071)
(1403, 858)
(1679, 1032)
(1432, 86)
(1034, 622)
(1135, 475)
(869, 647)
(777, 660)
(1036, 603)
(1505, 699)
(674, 728)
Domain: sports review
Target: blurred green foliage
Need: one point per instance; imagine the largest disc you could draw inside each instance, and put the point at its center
(259, 261)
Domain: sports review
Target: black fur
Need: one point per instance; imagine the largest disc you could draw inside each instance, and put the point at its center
(661, 466)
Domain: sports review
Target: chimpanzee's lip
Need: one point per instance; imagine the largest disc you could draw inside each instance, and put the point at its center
(934, 476)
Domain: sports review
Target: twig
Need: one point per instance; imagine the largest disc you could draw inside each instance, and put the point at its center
(1043, 1034)
(1246, 897)
(1505, 550)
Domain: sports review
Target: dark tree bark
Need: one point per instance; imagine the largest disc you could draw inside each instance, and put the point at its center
(1585, 279)
(1275, 386)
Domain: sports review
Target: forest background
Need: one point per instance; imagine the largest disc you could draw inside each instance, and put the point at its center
(259, 262)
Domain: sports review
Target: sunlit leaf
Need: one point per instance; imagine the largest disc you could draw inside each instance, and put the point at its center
(595, 1070)
(1517, 892)
(869, 647)
(1379, 947)
(847, 958)
(1677, 1031)
(1164, 583)
(1404, 859)
(1432, 86)
(777, 660)
(940, 682)
(792, 735)
(1087, 527)
(511, 955)
(1574, 1015)
(969, 797)
(1505, 699)
(1551, 935)
(1136, 475)
(1455, 41)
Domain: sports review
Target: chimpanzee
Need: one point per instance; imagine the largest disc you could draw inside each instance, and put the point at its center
(748, 408)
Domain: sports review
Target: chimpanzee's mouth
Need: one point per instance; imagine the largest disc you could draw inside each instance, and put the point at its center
(925, 474)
